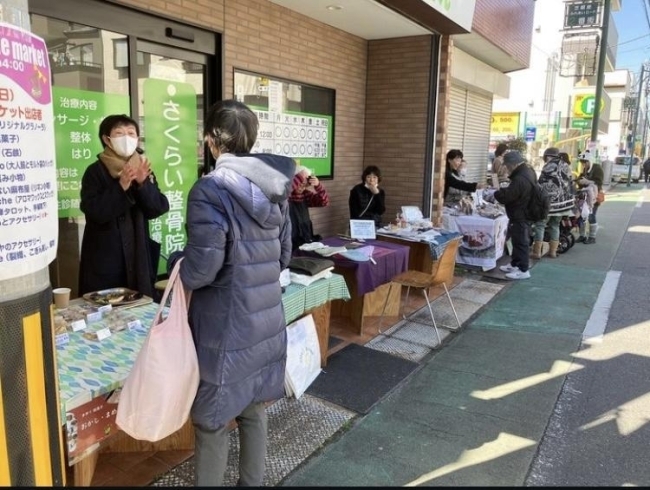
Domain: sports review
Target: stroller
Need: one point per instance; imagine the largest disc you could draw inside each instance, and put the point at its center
(570, 224)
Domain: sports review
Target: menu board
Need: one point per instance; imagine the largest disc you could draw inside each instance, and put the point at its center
(295, 120)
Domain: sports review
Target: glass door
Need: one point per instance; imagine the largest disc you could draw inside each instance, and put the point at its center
(170, 109)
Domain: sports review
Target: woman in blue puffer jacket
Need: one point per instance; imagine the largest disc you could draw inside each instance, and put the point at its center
(238, 242)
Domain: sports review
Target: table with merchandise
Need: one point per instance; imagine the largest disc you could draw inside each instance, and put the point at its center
(96, 348)
(427, 243)
(368, 268)
(483, 236)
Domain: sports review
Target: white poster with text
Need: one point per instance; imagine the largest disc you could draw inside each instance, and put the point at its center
(28, 194)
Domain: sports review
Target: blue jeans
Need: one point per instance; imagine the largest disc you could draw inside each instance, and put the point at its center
(593, 223)
(553, 223)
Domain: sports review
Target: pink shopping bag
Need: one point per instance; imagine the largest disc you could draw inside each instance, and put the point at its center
(158, 393)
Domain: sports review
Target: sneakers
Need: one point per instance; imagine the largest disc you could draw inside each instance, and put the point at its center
(581, 239)
(517, 274)
(590, 240)
(508, 268)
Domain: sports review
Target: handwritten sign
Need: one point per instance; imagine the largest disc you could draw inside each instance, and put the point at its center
(362, 229)
(104, 333)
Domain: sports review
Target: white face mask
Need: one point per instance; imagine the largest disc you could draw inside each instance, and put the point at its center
(124, 146)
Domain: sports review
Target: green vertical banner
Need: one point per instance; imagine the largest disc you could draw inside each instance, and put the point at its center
(170, 122)
(77, 115)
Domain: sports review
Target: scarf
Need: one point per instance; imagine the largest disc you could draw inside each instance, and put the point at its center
(115, 163)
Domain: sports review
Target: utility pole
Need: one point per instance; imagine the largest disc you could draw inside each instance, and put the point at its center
(600, 78)
(645, 123)
(636, 120)
(31, 445)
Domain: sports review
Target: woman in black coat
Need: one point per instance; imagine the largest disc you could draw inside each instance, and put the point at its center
(367, 199)
(454, 183)
(119, 194)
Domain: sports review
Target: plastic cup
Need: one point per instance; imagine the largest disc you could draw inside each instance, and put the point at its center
(61, 297)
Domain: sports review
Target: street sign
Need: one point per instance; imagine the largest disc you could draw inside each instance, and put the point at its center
(581, 123)
(582, 14)
(531, 132)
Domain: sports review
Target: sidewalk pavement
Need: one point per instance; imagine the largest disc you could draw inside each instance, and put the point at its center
(475, 414)
(475, 411)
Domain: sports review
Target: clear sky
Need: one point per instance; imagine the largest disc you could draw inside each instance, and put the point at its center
(633, 26)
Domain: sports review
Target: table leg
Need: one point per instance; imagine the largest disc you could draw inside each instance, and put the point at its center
(359, 308)
(84, 470)
(321, 316)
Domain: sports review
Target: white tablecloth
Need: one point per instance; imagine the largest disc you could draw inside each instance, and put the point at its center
(484, 239)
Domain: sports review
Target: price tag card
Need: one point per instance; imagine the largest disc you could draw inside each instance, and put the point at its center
(105, 308)
(95, 316)
(362, 229)
(78, 325)
(62, 339)
(104, 333)
(134, 325)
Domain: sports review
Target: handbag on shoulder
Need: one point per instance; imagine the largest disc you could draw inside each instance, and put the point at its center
(158, 394)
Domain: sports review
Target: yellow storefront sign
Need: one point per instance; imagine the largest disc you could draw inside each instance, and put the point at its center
(584, 105)
(505, 123)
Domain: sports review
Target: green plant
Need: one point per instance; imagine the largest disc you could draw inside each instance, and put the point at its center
(516, 144)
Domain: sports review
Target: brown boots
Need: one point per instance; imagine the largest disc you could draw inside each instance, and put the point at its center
(552, 249)
(539, 249)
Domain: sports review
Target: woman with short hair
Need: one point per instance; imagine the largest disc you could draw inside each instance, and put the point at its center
(367, 200)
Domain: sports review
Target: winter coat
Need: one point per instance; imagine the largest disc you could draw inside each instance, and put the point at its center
(454, 185)
(302, 229)
(238, 242)
(366, 205)
(555, 178)
(595, 175)
(116, 250)
(516, 195)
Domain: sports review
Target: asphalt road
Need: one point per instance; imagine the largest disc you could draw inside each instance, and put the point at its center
(599, 432)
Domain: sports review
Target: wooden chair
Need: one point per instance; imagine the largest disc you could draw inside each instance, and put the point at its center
(443, 275)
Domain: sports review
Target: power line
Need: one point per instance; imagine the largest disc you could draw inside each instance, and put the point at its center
(645, 9)
(629, 41)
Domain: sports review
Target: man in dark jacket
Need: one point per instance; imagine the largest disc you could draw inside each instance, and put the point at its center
(515, 198)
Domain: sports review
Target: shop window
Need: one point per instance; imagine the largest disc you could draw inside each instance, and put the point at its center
(296, 120)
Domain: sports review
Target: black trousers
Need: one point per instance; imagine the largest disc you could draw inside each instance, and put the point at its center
(520, 235)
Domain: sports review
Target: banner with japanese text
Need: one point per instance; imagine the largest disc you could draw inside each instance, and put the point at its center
(28, 210)
(77, 116)
(170, 121)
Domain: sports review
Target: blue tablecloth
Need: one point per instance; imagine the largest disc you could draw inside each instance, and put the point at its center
(90, 368)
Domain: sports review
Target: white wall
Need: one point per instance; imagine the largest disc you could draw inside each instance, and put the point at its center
(528, 88)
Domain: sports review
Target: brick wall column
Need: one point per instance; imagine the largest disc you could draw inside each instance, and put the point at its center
(442, 125)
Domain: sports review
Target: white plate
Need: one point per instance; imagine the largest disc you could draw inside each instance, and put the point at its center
(484, 246)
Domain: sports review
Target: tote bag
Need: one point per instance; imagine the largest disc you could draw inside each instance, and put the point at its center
(160, 389)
